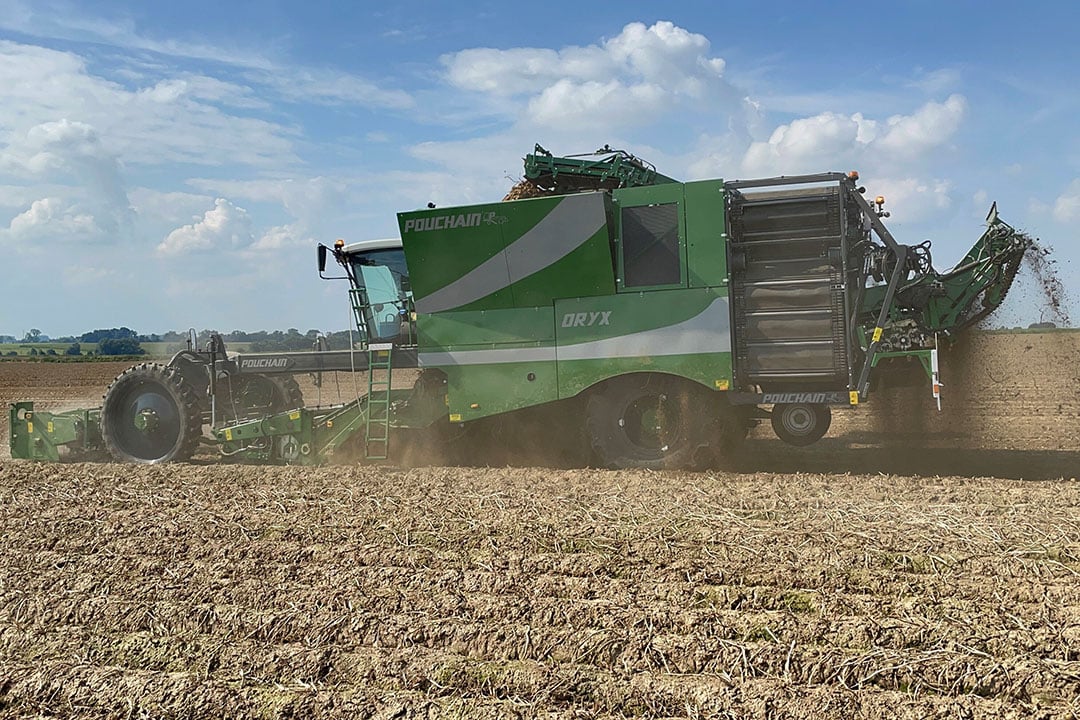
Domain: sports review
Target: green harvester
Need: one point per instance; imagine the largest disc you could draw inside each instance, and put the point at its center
(656, 320)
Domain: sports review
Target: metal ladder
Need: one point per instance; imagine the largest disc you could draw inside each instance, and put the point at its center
(358, 300)
(377, 425)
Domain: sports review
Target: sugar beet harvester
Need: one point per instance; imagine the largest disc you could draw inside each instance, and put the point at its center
(656, 318)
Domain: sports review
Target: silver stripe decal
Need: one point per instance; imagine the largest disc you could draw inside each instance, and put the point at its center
(708, 331)
(487, 357)
(569, 224)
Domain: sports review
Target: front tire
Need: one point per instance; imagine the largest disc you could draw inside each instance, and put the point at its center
(150, 415)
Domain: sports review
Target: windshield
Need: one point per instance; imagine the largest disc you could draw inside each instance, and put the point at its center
(383, 296)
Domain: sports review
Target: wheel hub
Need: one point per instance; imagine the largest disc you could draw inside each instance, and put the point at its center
(646, 422)
(799, 420)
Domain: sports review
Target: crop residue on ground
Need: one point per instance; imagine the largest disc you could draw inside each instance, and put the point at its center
(185, 591)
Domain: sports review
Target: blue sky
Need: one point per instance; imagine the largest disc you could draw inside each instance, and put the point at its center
(166, 165)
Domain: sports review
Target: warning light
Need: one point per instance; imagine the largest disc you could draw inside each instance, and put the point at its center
(853, 175)
(880, 199)
(339, 243)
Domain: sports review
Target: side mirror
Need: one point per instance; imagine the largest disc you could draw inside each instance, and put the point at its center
(322, 258)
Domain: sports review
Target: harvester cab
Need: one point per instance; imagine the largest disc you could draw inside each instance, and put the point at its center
(379, 291)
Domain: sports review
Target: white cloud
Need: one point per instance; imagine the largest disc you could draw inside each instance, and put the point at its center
(70, 154)
(226, 226)
(170, 208)
(662, 54)
(806, 144)
(630, 79)
(64, 21)
(578, 104)
(521, 71)
(833, 141)
(201, 87)
(911, 200)
(928, 127)
(172, 119)
(301, 197)
(1067, 204)
(51, 219)
(281, 236)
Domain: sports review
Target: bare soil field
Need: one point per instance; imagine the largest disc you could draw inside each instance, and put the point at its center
(912, 565)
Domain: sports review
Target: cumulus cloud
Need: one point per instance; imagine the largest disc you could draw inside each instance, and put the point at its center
(928, 127)
(579, 98)
(1067, 204)
(225, 226)
(913, 199)
(833, 141)
(281, 236)
(51, 219)
(71, 154)
(629, 79)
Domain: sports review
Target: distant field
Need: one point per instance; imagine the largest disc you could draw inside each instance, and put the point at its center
(23, 349)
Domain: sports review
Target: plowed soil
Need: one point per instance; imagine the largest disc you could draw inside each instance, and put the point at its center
(912, 565)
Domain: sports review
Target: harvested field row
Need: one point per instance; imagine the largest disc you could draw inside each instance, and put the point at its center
(190, 591)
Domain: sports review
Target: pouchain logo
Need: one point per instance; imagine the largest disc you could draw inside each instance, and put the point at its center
(270, 363)
(815, 398)
(452, 222)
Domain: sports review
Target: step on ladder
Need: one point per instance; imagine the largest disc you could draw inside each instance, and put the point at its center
(377, 430)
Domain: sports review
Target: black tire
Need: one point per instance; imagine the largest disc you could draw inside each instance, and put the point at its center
(150, 415)
(801, 424)
(647, 421)
(727, 436)
(289, 395)
(250, 396)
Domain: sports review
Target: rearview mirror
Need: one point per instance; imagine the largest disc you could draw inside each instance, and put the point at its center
(322, 258)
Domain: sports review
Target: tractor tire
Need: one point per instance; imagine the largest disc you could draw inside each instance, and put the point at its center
(647, 421)
(801, 424)
(289, 396)
(150, 415)
(253, 396)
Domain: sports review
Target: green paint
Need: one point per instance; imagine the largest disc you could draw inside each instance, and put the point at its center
(478, 391)
(459, 329)
(706, 247)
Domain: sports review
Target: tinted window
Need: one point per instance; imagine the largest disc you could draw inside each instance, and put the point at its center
(650, 237)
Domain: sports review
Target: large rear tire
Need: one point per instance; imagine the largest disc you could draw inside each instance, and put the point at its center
(647, 421)
(150, 415)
